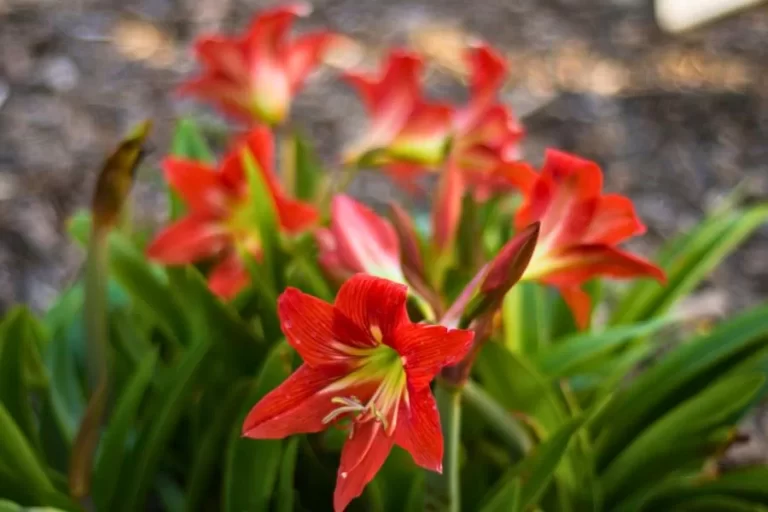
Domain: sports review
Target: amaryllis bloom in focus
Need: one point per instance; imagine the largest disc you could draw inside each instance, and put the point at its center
(220, 222)
(254, 76)
(358, 240)
(367, 368)
(487, 136)
(580, 229)
(404, 130)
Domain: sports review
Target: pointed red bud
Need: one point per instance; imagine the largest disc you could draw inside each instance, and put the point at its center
(510, 263)
(497, 277)
(411, 257)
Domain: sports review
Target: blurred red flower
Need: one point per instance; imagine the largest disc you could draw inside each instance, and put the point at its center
(220, 222)
(253, 77)
(405, 131)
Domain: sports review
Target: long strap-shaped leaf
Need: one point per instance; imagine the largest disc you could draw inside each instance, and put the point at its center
(687, 432)
(676, 378)
(251, 467)
(688, 260)
(524, 484)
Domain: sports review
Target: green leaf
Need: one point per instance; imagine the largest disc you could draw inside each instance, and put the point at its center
(748, 483)
(67, 399)
(507, 498)
(525, 313)
(264, 213)
(719, 504)
(208, 317)
(208, 450)
(114, 445)
(444, 489)
(146, 283)
(165, 408)
(526, 482)
(286, 492)
(19, 364)
(9, 506)
(507, 426)
(307, 169)
(657, 449)
(252, 466)
(188, 142)
(688, 260)
(679, 376)
(519, 387)
(19, 455)
(577, 352)
(743, 483)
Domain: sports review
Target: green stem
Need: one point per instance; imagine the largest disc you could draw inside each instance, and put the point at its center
(445, 489)
(267, 298)
(512, 432)
(88, 434)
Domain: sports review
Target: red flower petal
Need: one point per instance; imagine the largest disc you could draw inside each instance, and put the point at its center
(426, 349)
(390, 100)
(228, 96)
(297, 406)
(497, 127)
(329, 258)
(398, 83)
(361, 458)
(418, 429)
(224, 57)
(580, 263)
(371, 302)
(315, 329)
(565, 182)
(296, 216)
(615, 220)
(488, 70)
(229, 277)
(365, 242)
(198, 184)
(579, 303)
(446, 210)
(190, 239)
(519, 175)
(406, 175)
(260, 143)
(559, 165)
(267, 40)
(424, 137)
(305, 54)
(270, 27)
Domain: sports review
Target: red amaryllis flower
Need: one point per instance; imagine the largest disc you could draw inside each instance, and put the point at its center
(404, 128)
(254, 76)
(359, 241)
(366, 365)
(580, 228)
(220, 222)
(487, 137)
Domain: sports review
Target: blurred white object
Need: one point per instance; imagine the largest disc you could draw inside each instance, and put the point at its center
(680, 15)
